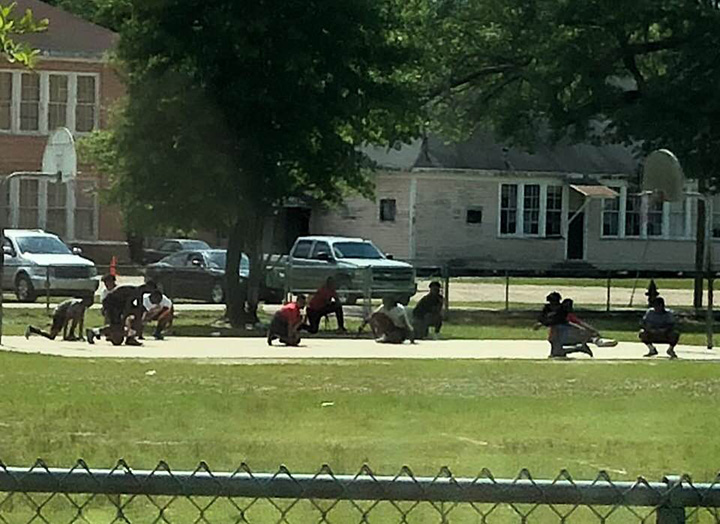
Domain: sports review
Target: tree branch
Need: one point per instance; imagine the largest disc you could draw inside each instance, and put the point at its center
(485, 71)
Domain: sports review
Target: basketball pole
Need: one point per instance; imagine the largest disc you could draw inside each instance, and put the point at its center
(3, 182)
(709, 318)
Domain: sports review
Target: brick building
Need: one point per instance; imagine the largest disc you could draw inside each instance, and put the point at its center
(73, 85)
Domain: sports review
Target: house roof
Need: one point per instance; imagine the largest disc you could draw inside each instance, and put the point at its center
(483, 153)
(67, 36)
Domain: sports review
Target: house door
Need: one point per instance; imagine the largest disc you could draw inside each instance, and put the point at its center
(576, 238)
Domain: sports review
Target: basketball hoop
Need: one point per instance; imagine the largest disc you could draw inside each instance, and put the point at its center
(663, 175)
(59, 155)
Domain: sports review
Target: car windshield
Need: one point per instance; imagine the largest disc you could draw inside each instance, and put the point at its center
(194, 244)
(356, 250)
(43, 245)
(218, 259)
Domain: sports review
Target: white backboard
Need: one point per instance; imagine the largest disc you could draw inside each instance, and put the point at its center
(663, 174)
(59, 155)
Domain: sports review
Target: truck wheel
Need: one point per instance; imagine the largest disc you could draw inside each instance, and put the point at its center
(24, 290)
(405, 300)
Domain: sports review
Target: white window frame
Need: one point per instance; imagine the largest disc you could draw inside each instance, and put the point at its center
(520, 209)
(644, 204)
(45, 101)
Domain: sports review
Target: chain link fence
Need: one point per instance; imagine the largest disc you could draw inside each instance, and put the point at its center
(81, 494)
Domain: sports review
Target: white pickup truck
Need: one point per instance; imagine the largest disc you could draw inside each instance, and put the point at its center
(358, 266)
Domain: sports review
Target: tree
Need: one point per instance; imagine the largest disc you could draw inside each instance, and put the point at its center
(644, 73)
(11, 27)
(235, 106)
(110, 14)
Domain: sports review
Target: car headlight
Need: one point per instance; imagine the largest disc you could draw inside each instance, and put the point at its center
(38, 271)
(93, 271)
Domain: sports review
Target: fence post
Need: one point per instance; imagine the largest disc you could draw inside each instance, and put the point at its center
(607, 304)
(507, 291)
(446, 278)
(367, 292)
(710, 317)
(669, 513)
(47, 290)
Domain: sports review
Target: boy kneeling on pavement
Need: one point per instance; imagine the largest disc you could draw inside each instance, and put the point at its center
(157, 307)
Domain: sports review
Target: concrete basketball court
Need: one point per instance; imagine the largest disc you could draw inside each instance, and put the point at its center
(334, 348)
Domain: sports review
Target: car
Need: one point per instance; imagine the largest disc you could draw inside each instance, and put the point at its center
(35, 259)
(198, 274)
(348, 259)
(169, 246)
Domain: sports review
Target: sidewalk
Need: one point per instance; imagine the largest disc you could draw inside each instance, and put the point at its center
(319, 348)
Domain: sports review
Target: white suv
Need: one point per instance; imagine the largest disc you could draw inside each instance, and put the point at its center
(31, 255)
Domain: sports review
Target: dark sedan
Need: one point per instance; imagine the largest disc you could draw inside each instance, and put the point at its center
(197, 274)
(170, 246)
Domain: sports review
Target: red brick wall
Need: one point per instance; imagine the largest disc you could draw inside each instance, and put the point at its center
(24, 152)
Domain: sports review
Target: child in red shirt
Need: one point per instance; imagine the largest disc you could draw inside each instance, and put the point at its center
(285, 323)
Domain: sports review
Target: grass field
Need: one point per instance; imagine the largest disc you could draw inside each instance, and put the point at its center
(626, 418)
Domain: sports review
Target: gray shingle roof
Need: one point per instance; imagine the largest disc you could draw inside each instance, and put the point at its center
(67, 35)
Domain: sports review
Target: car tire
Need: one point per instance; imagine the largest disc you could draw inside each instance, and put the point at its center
(405, 300)
(24, 290)
(217, 294)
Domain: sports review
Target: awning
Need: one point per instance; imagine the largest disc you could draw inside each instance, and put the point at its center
(597, 191)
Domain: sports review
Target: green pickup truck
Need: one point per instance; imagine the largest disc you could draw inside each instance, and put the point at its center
(358, 266)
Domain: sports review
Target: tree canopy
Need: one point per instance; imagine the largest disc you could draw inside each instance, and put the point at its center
(12, 26)
(235, 106)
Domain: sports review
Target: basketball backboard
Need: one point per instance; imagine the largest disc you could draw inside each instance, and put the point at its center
(663, 174)
(59, 155)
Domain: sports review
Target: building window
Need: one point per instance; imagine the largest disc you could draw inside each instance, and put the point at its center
(655, 218)
(57, 101)
(531, 209)
(30, 102)
(508, 209)
(85, 107)
(611, 215)
(56, 221)
(388, 209)
(678, 218)
(28, 208)
(553, 211)
(633, 209)
(6, 96)
(473, 215)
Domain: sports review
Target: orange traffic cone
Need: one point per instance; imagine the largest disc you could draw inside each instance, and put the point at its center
(113, 266)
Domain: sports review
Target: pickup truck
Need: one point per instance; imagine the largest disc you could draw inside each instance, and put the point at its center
(356, 264)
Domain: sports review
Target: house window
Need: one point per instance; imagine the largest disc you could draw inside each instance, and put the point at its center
(30, 102)
(553, 211)
(28, 208)
(655, 218)
(85, 106)
(678, 218)
(508, 209)
(611, 215)
(473, 215)
(56, 214)
(57, 101)
(633, 208)
(6, 92)
(387, 210)
(531, 209)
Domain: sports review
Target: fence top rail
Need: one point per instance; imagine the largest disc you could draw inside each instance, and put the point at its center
(363, 486)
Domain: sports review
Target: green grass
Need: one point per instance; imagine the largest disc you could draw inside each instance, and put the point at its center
(627, 418)
(641, 418)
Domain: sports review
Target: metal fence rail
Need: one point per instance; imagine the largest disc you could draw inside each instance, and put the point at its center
(120, 494)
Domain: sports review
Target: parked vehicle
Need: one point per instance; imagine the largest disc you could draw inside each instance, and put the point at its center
(314, 258)
(196, 274)
(170, 246)
(35, 259)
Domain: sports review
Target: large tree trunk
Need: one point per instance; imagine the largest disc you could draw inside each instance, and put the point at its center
(243, 296)
(236, 295)
(699, 250)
